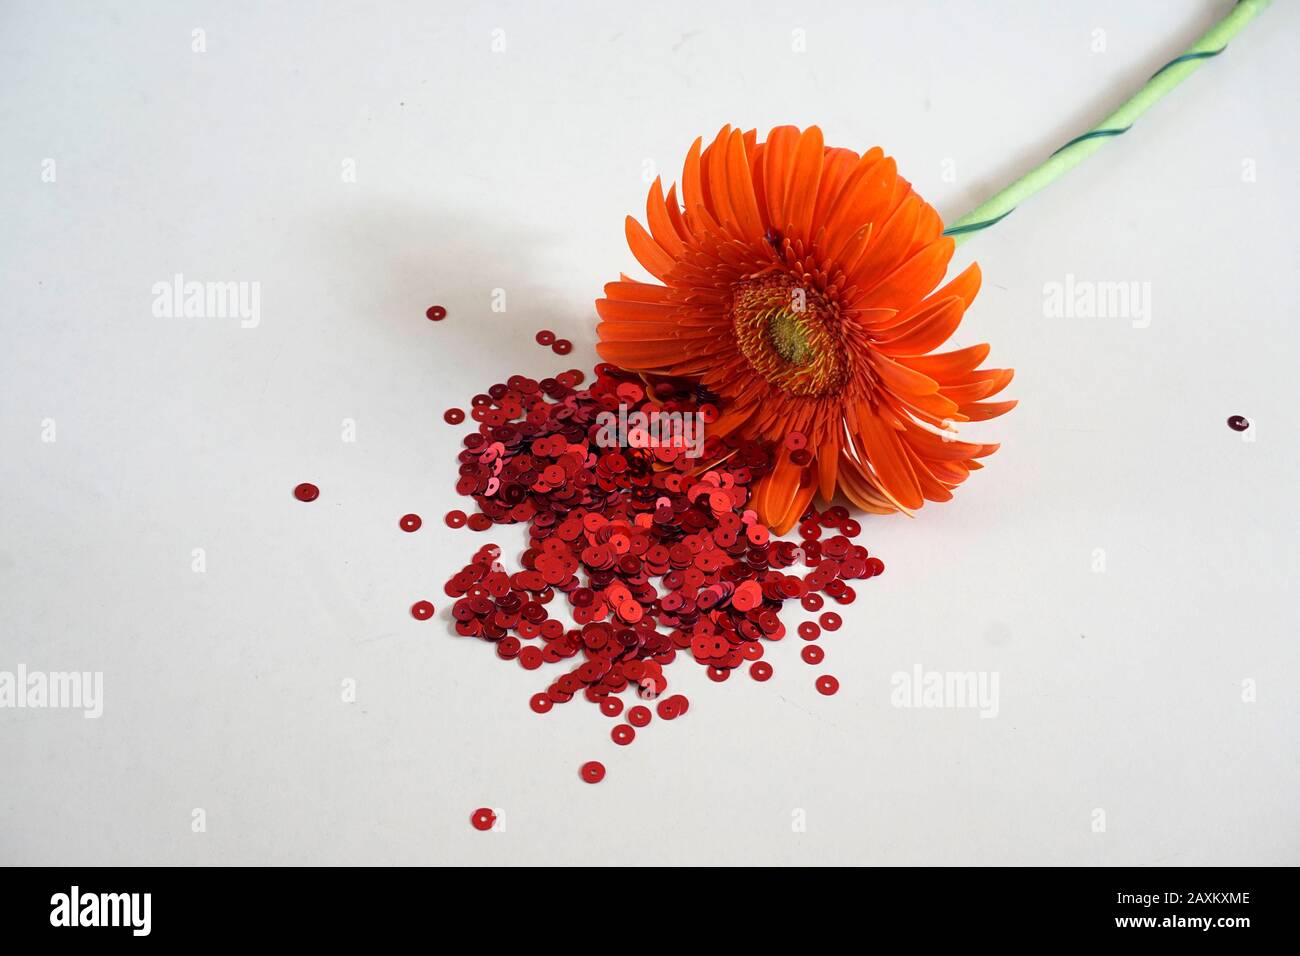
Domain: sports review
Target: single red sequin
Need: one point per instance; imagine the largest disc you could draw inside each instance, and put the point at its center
(809, 630)
(453, 416)
(545, 337)
(812, 602)
(306, 492)
(562, 347)
(638, 716)
(826, 684)
(410, 523)
(831, 621)
(760, 670)
(483, 818)
(812, 654)
(455, 519)
(622, 734)
(421, 610)
(796, 441)
(435, 313)
(541, 703)
(611, 707)
(593, 771)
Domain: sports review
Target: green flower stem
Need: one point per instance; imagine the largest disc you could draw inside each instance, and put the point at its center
(1214, 42)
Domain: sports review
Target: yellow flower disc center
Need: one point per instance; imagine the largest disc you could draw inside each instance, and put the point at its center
(789, 334)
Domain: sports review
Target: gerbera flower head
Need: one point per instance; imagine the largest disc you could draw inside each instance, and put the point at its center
(796, 283)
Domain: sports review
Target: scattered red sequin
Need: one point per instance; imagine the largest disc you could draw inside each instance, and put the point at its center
(410, 523)
(483, 818)
(455, 519)
(623, 734)
(670, 708)
(593, 771)
(422, 610)
(453, 416)
(435, 313)
(545, 337)
(826, 684)
(830, 621)
(652, 553)
(812, 654)
(306, 492)
(810, 631)
(561, 346)
(1238, 423)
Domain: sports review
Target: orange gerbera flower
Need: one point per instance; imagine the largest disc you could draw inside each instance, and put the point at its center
(797, 287)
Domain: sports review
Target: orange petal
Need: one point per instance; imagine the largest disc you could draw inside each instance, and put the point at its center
(713, 167)
(740, 189)
(648, 252)
(909, 283)
(888, 250)
(661, 226)
(801, 190)
(983, 411)
(862, 200)
(883, 450)
(926, 330)
(945, 365)
(778, 154)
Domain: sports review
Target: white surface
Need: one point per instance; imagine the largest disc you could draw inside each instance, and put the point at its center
(478, 170)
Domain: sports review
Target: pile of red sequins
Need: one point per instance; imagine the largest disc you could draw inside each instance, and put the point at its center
(655, 553)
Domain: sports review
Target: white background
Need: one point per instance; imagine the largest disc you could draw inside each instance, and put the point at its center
(1120, 691)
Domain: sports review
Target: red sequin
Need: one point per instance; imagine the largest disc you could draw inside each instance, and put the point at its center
(545, 337)
(812, 654)
(622, 734)
(410, 523)
(760, 670)
(306, 492)
(561, 346)
(422, 610)
(540, 703)
(826, 684)
(831, 621)
(593, 771)
(638, 716)
(671, 708)
(455, 519)
(483, 818)
(435, 313)
(453, 416)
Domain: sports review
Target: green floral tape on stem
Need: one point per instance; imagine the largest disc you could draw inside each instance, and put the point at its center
(1214, 42)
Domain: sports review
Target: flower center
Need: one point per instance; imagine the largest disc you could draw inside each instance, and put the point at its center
(789, 335)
